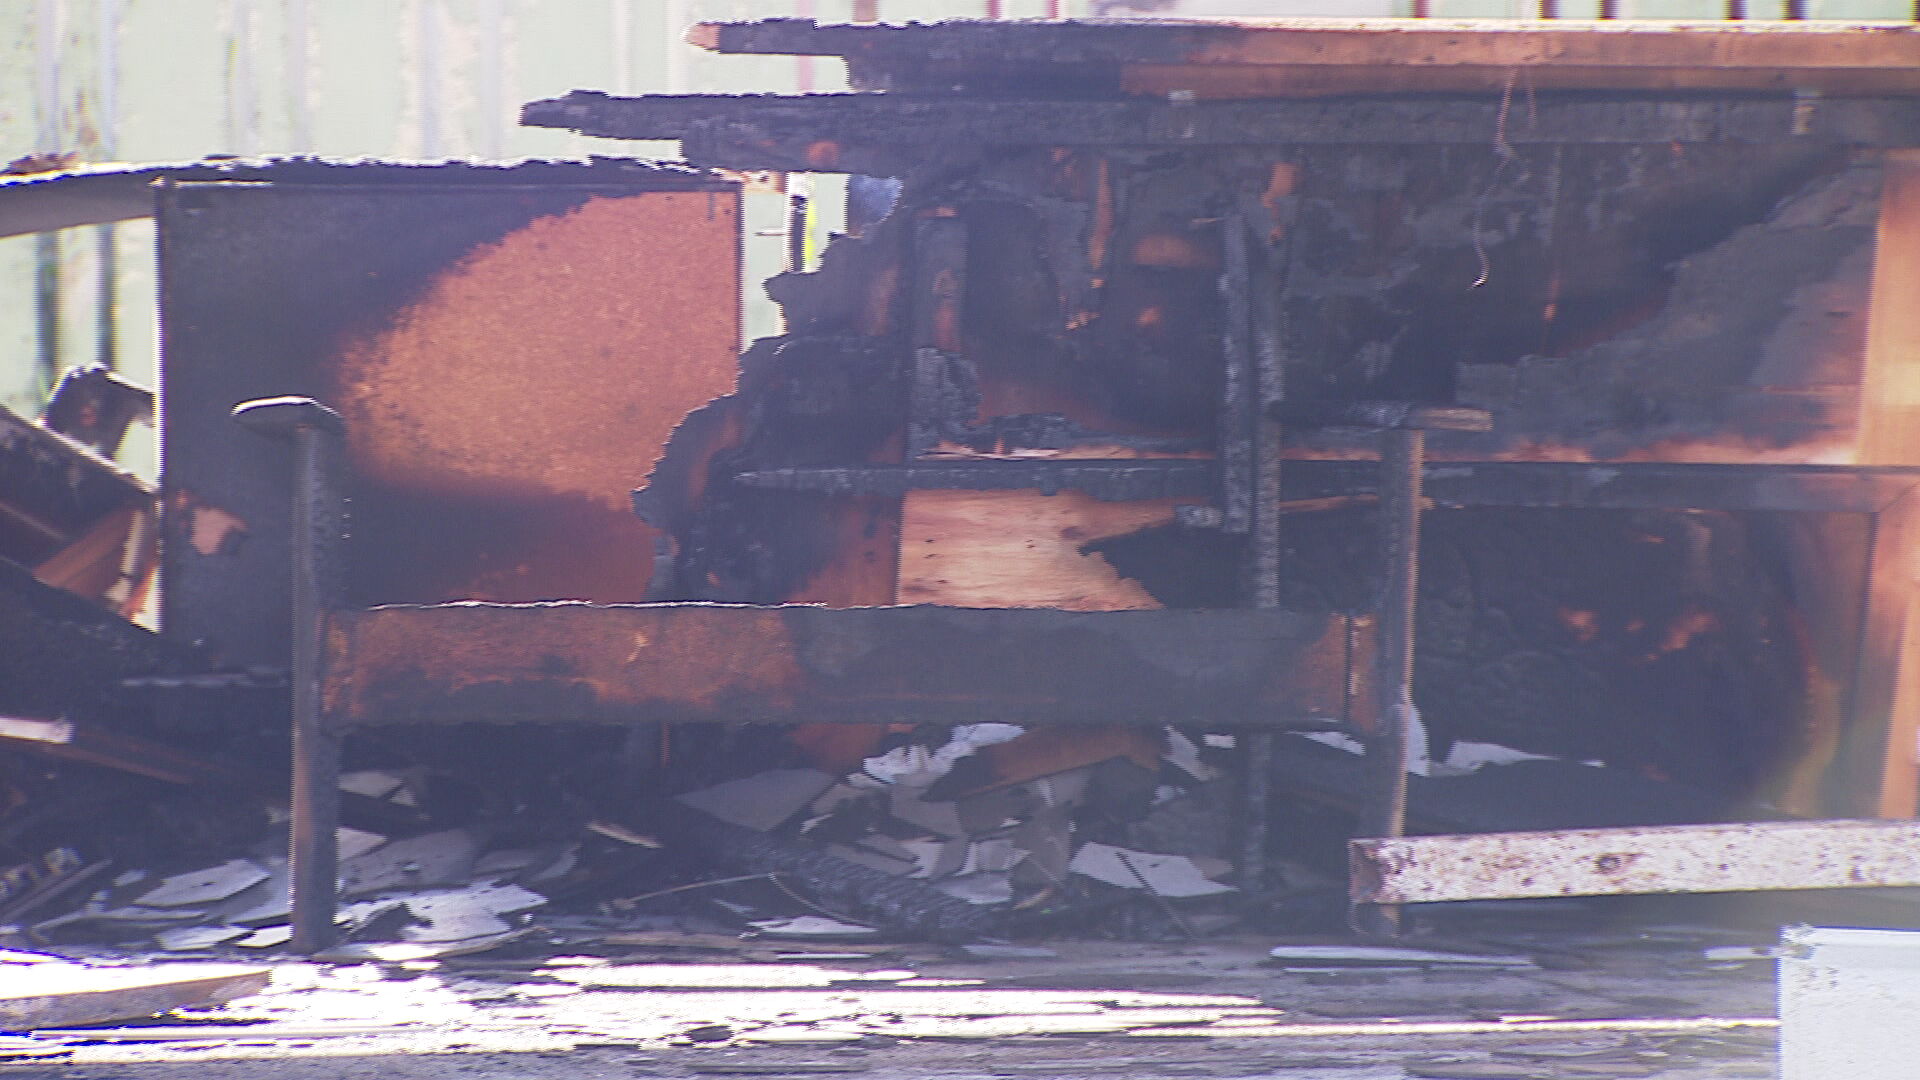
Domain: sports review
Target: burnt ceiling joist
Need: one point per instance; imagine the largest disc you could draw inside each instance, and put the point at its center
(821, 131)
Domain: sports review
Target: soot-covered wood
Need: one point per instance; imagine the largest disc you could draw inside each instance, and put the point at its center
(1090, 321)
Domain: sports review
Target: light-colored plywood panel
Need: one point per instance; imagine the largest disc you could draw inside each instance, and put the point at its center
(1019, 549)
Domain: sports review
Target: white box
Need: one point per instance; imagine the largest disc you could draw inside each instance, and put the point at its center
(1849, 1004)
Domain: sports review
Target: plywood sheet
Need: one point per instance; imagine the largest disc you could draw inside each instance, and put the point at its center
(1018, 549)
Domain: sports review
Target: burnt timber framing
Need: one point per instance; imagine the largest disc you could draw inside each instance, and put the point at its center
(1154, 88)
(764, 131)
(1144, 87)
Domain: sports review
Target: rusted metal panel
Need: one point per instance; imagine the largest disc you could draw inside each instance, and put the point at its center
(510, 348)
(621, 664)
(1664, 859)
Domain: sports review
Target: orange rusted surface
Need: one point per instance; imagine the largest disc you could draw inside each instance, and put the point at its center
(612, 657)
(498, 424)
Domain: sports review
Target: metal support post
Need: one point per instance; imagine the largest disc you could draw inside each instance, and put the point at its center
(1384, 809)
(318, 517)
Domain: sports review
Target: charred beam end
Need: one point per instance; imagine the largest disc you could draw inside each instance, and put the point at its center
(1662, 859)
(817, 130)
(1111, 481)
(1625, 485)
(624, 664)
(1381, 416)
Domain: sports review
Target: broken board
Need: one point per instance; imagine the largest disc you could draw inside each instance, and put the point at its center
(65, 995)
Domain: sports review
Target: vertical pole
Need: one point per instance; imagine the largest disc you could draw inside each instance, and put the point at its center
(1250, 455)
(314, 854)
(50, 129)
(1384, 811)
(318, 520)
(107, 46)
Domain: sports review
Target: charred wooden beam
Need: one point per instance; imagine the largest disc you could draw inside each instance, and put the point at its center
(1437, 42)
(835, 131)
(1112, 481)
(624, 664)
(61, 654)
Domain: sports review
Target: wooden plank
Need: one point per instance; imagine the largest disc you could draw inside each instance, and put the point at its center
(1876, 772)
(1663, 859)
(1890, 382)
(1019, 549)
(55, 995)
(1393, 53)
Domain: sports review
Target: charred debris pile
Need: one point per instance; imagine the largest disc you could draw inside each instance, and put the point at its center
(1119, 315)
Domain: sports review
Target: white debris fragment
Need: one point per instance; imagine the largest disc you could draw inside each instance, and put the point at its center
(441, 858)
(192, 938)
(939, 818)
(812, 926)
(984, 888)
(354, 843)
(1389, 954)
(473, 912)
(1471, 757)
(916, 766)
(1167, 875)
(372, 783)
(208, 886)
(1182, 754)
(1418, 761)
(763, 801)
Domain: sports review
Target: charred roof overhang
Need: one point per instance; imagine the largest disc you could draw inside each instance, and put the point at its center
(1217, 85)
(98, 194)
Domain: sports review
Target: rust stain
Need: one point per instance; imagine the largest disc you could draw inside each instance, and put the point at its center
(876, 319)
(823, 154)
(1584, 625)
(558, 359)
(1103, 215)
(498, 424)
(612, 658)
(208, 528)
(1173, 249)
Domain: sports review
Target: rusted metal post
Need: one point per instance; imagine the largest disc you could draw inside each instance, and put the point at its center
(318, 515)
